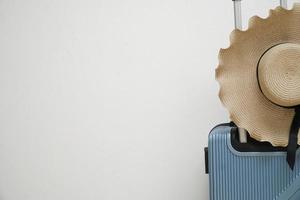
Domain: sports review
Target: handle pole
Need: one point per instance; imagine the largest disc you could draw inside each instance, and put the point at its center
(283, 3)
(237, 14)
(238, 24)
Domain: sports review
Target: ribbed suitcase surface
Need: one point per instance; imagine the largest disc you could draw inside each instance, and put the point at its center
(235, 175)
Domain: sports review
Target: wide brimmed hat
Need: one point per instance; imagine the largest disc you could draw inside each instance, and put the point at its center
(259, 76)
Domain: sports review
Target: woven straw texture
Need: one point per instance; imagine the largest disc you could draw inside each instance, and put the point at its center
(279, 74)
(249, 107)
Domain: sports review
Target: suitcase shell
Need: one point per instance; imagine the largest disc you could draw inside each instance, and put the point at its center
(249, 175)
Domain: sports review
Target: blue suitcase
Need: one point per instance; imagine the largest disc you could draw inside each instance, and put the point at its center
(248, 171)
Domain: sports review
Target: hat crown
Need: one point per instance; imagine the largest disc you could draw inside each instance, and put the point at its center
(279, 74)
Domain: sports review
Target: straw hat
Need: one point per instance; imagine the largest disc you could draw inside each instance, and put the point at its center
(259, 75)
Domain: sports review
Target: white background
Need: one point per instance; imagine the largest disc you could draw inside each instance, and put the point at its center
(110, 99)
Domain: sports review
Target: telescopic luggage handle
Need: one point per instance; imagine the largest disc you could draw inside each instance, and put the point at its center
(239, 25)
(238, 12)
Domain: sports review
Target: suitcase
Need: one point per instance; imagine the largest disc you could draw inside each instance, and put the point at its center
(248, 171)
(241, 168)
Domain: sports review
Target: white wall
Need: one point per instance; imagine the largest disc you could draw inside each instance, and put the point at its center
(110, 99)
